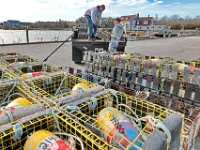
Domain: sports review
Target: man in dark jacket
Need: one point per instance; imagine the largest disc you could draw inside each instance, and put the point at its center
(91, 16)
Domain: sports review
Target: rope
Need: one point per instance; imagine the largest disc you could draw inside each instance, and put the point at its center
(18, 132)
(8, 113)
(48, 81)
(114, 93)
(15, 94)
(51, 111)
(3, 75)
(73, 108)
(106, 82)
(57, 91)
(7, 95)
(135, 119)
(93, 104)
(159, 125)
(2, 104)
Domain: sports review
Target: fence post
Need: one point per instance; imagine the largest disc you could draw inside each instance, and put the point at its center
(27, 36)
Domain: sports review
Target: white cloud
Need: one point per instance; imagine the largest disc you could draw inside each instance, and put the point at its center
(34, 10)
(131, 2)
(100, 2)
(158, 1)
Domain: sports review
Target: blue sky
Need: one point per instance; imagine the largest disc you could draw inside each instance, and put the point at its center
(34, 10)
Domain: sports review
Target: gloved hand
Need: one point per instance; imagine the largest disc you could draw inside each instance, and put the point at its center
(96, 25)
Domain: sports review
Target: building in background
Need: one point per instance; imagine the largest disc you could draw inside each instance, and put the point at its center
(130, 21)
(135, 22)
(1, 25)
(12, 24)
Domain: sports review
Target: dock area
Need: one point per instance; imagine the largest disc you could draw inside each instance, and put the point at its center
(147, 95)
(184, 48)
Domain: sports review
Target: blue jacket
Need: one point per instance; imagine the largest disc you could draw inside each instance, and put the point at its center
(117, 33)
(94, 13)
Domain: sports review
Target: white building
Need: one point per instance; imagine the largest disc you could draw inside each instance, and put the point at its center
(135, 22)
(129, 21)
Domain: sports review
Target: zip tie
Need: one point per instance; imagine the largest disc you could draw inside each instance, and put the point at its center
(18, 132)
(114, 93)
(93, 104)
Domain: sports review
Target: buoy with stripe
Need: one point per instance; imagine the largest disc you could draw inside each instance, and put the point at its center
(119, 129)
(19, 102)
(45, 140)
(32, 74)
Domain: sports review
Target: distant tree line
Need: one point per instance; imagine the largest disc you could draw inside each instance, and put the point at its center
(60, 24)
(175, 22)
(178, 23)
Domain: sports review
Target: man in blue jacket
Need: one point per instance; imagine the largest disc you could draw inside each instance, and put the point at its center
(91, 16)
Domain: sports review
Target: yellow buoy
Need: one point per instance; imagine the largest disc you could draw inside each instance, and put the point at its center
(19, 102)
(43, 139)
(79, 88)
